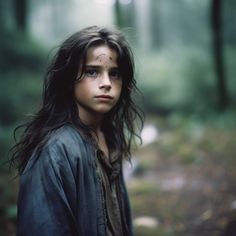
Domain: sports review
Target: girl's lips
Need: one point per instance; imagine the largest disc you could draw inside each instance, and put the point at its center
(104, 97)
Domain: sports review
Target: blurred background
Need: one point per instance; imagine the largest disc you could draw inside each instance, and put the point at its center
(182, 180)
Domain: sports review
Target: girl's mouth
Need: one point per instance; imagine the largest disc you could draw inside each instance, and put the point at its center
(103, 96)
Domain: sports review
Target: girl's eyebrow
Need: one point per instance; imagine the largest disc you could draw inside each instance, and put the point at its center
(98, 66)
(92, 66)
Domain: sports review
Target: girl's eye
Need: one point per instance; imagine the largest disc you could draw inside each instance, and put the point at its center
(91, 73)
(115, 74)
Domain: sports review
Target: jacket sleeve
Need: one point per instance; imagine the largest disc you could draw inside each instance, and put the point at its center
(126, 206)
(46, 196)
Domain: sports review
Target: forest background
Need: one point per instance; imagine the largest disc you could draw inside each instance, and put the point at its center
(182, 178)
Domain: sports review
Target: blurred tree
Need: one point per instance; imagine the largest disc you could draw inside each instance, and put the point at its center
(155, 22)
(1, 13)
(5, 15)
(21, 12)
(118, 14)
(229, 16)
(216, 18)
(143, 24)
(124, 12)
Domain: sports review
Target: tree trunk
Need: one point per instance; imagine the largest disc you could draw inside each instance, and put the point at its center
(124, 14)
(218, 53)
(20, 7)
(125, 19)
(118, 15)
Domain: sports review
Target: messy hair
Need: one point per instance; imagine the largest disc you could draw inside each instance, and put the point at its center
(59, 105)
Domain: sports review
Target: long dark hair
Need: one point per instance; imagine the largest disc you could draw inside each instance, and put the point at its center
(59, 106)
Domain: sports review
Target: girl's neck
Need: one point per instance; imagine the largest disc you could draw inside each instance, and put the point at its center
(96, 123)
(92, 120)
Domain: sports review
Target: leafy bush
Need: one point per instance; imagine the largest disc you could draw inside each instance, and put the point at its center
(181, 80)
(18, 52)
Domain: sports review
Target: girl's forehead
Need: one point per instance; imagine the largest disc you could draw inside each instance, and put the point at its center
(101, 53)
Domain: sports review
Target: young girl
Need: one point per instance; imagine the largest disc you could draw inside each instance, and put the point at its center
(70, 155)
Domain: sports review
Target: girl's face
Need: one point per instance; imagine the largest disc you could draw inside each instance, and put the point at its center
(99, 88)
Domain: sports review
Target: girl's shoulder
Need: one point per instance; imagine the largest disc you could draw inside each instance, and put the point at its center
(64, 145)
(66, 134)
(64, 141)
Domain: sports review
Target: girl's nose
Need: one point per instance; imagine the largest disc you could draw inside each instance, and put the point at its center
(105, 81)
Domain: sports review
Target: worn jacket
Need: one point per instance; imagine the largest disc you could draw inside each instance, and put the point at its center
(60, 191)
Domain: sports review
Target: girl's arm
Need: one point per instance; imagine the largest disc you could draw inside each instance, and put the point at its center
(43, 205)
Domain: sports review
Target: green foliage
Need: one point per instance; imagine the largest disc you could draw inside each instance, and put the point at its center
(21, 65)
(18, 52)
(195, 137)
(183, 80)
(230, 66)
(179, 80)
(20, 97)
(20, 93)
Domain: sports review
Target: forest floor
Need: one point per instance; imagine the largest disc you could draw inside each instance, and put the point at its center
(183, 184)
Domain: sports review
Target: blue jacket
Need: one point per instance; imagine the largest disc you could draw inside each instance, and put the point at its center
(60, 192)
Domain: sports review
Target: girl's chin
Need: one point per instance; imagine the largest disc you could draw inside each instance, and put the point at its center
(103, 109)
